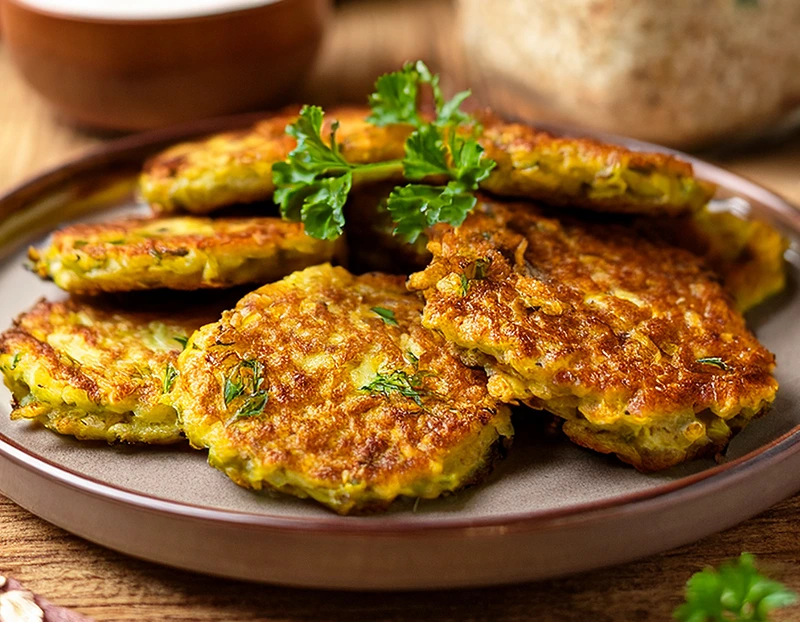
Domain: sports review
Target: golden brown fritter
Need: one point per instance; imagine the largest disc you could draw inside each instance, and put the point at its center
(587, 173)
(326, 385)
(633, 342)
(746, 252)
(96, 373)
(236, 167)
(182, 253)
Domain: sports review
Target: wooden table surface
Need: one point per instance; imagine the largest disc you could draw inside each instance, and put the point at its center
(366, 39)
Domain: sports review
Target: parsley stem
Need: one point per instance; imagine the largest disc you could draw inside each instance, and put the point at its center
(378, 171)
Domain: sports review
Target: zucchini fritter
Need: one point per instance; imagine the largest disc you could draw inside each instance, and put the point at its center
(96, 373)
(236, 167)
(747, 253)
(587, 173)
(326, 385)
(184, 253)
(632, 341)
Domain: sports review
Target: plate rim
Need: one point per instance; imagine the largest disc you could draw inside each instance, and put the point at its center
(135, 148)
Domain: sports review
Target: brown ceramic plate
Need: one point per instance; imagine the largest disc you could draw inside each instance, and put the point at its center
(551, 508)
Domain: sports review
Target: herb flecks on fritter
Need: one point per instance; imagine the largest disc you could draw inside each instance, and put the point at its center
(96, 373)
(633, 343)
(183, 253)
(326, 385)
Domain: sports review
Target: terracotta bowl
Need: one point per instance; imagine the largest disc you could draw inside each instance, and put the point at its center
(131, 72)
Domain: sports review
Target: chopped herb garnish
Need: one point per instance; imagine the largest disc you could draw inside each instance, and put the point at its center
(170, 375)
(15, 361)
(413, 358)
(79, 243)
(737, 591)
(232, 390)
(245, 381)
(182, 340)
(476, 271)
(116, 242)
(252, 406)
(464, 285)
(715, 361)
(387, 315)
(481, 268)
(313, 183)
(399, 382)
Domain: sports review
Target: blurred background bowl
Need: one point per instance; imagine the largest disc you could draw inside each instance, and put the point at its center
(139, 65)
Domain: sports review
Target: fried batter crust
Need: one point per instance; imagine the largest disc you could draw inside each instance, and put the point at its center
(587, 173)
(95, 373)
(236, 167)
(317, 431)
(747, 253)
(183, 253)
(595, 323)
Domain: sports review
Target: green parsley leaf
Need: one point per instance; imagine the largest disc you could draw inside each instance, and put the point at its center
(469, 165)
(312, 185)
(322, 212)
(737, 591)
(416, 207)
(450, 112)
(425, 154)
(715, 361)
(400, 382)
(182, 340)
(387, 315)
(170, 375)
(231, 390)
(395, 97)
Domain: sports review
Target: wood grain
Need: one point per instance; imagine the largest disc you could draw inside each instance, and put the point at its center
(365, 39)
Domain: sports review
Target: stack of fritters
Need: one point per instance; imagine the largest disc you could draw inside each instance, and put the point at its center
(613, 304)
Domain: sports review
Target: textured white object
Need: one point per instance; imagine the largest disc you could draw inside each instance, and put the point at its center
(143, 9)
(677, 73)
(19, 606)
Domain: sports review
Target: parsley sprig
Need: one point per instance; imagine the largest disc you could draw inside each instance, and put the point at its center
(312, 185)
(735, 592)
